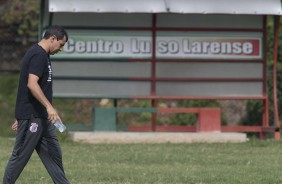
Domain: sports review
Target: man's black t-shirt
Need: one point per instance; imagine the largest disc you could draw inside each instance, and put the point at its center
(36, 61)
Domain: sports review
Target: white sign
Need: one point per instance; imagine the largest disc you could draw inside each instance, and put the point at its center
(166, 46)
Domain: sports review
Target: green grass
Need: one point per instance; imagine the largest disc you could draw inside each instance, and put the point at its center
(255, 162)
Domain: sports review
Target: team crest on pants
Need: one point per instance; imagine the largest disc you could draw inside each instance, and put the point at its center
(33, 127)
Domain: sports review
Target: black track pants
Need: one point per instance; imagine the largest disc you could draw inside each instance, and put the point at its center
(38, 134)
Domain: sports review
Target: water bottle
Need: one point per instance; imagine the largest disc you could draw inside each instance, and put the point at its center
(60, 126)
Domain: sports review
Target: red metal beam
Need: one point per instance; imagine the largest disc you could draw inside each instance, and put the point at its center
(211, 79)
(179, 128)
(175, 60)
(194, 29)
(153, 77)
(200, 97)
(241, 128)
(275, 57)
(265, 118)
(169, 128)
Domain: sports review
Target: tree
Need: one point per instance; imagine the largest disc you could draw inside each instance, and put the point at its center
(22, 17)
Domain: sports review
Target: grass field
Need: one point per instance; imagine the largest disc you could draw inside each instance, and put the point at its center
(254, 162)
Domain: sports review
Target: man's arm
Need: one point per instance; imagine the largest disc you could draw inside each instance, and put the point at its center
(36, 91)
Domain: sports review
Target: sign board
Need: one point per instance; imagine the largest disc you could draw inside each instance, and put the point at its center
(124, 44)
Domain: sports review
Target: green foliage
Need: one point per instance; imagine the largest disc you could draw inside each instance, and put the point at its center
(254, 113)
(8, 89)
(143, 118)
(75, 111)
(255, 108)
(270, 43)
(22, 17)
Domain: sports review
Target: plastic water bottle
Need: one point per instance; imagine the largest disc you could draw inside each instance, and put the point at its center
(60, 126)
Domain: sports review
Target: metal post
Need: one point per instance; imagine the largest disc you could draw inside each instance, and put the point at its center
(153, 77)
(275, 58)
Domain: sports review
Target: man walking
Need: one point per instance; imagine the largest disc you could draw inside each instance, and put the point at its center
(34, 111)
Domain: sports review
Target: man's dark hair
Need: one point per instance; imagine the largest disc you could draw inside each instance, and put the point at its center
(57, 31)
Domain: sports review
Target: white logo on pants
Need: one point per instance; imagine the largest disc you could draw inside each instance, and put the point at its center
(33, 127)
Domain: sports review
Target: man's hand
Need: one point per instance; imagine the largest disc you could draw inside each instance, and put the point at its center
(52, 114)
(15, 125)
